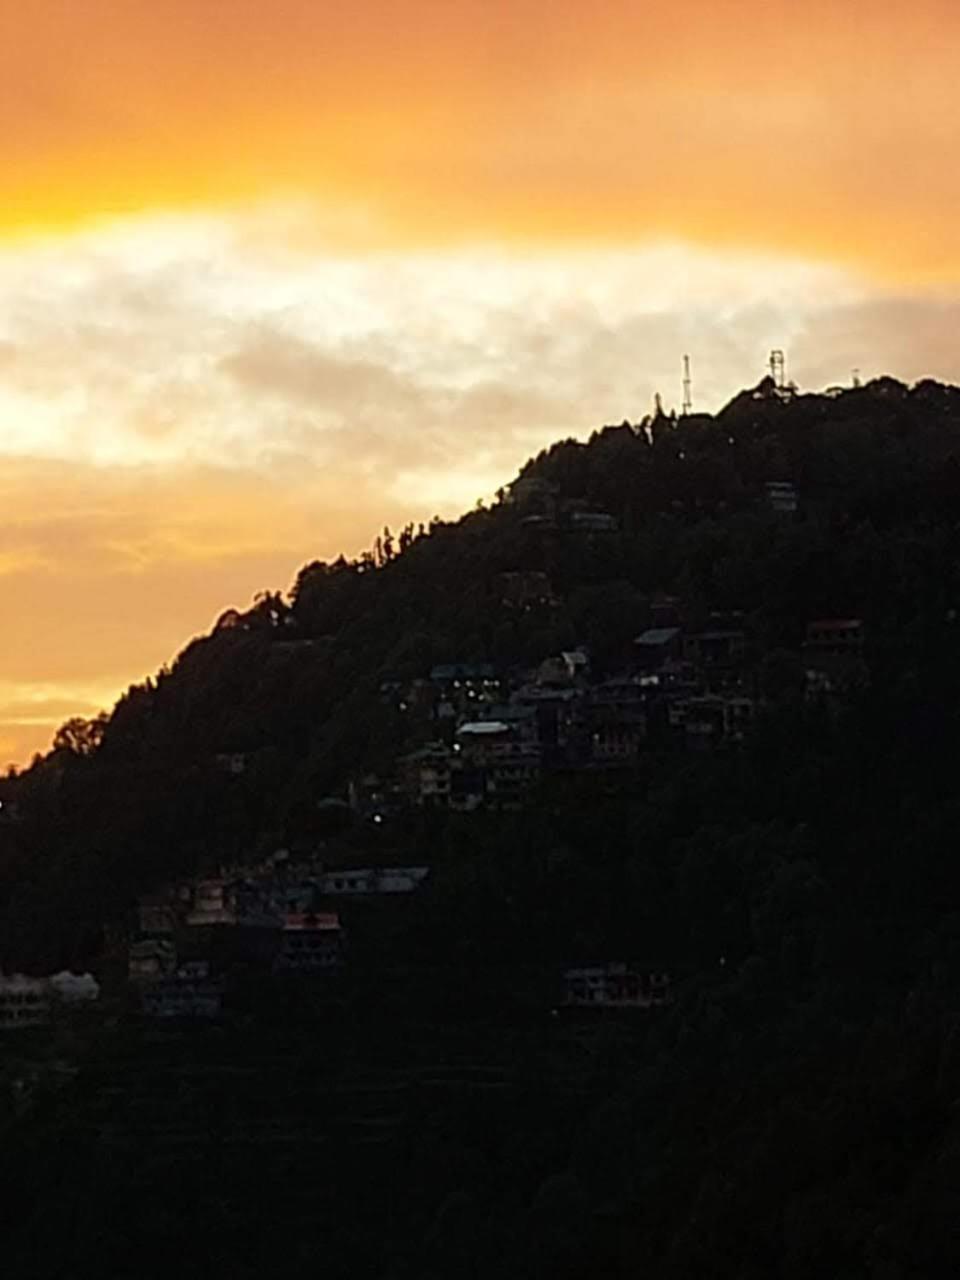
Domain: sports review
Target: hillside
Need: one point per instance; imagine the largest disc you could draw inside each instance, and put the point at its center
(794, 869)
(296, 682)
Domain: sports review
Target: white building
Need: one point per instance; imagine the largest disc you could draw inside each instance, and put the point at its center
(355, 882)
(312, 942)
(75, 988)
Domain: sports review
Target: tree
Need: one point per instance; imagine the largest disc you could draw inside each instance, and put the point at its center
(81, 737)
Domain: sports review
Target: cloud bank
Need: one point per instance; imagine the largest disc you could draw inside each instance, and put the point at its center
(189, 410)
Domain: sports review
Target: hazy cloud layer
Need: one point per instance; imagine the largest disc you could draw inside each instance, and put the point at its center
(188, 412)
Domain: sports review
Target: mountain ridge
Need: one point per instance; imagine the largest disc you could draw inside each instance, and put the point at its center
(294, 681)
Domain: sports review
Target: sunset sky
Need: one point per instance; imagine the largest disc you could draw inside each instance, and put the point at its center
(275, 274)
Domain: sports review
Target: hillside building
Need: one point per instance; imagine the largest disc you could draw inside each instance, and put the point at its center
(151, 959)
(189, 994)
(592, 522)
(527, 589)
(24, 1002)
(367, 881)
(781, 497)
(311, 943)
(711, 720)
(833, 657)
(615, 985)
(427, 775)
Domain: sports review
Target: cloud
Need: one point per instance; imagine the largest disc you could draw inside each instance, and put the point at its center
(911, 337)
(108, 572)
(189, 411)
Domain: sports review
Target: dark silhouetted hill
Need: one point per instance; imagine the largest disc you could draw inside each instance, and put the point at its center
(795, 1112)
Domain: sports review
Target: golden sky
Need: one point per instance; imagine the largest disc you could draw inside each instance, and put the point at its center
(827, 128)
(256, 256)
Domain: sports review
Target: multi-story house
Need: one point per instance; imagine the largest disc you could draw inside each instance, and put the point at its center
(311, 943)
(427, 775)
(189, 994)
(833, 657)
(613, 722)
(713, 719)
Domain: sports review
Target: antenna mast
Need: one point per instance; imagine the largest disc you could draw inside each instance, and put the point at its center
(687, 387)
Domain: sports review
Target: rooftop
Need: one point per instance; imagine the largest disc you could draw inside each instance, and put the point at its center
(657, 635)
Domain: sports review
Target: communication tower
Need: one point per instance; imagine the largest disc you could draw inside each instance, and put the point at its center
(687, 387)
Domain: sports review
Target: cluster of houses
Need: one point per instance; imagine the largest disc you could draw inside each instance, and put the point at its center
(194, 943)
(486, 739)
(540, 506)
(280, 919)
(28, 1002)
(492, 738)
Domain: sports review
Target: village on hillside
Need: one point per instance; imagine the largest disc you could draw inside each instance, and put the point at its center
(195, 947)
(479, 739)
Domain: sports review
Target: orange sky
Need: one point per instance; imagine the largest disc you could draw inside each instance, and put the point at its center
(822, 128)
(257, 258)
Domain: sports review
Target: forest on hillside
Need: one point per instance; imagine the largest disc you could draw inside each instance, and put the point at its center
(794, 1111)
